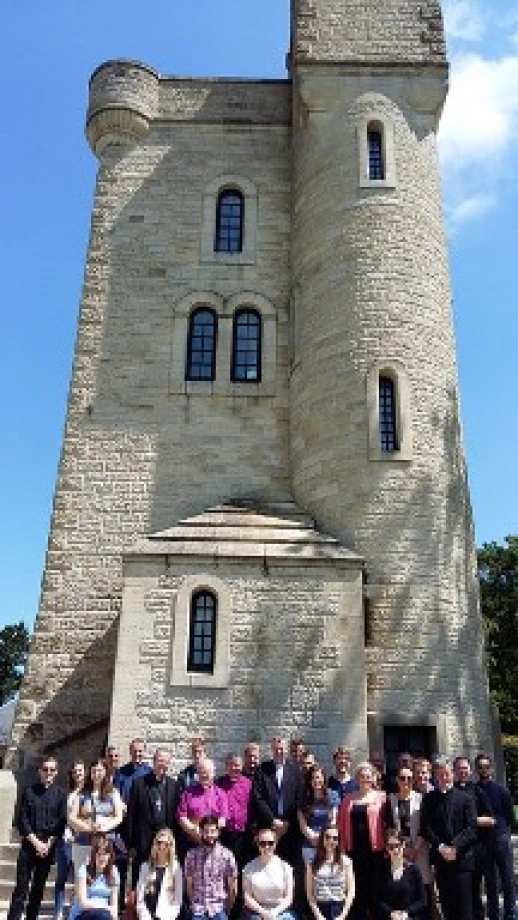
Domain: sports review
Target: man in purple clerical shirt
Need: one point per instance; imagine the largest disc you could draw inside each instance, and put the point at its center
(237, 788)
(201, 800)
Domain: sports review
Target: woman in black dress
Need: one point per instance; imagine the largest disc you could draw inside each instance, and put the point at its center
(400, 889)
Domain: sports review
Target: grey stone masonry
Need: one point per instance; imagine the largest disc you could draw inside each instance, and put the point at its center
(342, 567)
(368, 31)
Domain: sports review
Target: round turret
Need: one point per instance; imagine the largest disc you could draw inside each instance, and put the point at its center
(123, 103)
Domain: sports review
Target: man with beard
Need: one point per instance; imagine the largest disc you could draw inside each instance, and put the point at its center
(210, 875)
(497, 855)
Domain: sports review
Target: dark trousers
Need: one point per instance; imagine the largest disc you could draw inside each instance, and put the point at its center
(455, 891)
(366, 871)
(237, 843)
(32, 872)
(495, 859)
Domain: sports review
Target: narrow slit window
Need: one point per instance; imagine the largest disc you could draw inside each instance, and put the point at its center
(230, 213)
(376, 153)
(246, 346)
(201, 345)
(387, 415)
(202, 633)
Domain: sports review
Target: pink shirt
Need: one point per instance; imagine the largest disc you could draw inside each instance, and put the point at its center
(238, 796)
(375, 820)
(198, 801)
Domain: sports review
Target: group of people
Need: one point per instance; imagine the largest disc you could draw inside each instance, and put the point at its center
(269, 840)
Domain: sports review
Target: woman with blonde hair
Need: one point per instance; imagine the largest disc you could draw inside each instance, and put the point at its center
(361, 820)
(160, 883)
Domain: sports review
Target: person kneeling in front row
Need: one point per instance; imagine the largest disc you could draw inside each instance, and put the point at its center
(330, 878)
(97, 884)
(267, 882)
(160, 883)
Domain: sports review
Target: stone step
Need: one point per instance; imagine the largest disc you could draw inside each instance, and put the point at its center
(8, 873)
(9, 852)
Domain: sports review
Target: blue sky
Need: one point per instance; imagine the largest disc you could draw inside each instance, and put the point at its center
(49, 51)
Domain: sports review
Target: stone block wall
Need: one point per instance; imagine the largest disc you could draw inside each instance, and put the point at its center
(138, 454)
(371, 273)
(368, 31)
(296, 650)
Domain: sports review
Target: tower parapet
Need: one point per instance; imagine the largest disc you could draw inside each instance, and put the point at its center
(368, 32)
(123, 103)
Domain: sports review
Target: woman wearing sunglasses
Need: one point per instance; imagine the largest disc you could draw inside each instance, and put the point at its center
(330, 879)
(404, 815)
(160, 888)
(267, 882)
(400, 889)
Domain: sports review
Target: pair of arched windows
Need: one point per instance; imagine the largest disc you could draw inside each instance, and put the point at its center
(230, 217)
(246, 345)
(201, 652)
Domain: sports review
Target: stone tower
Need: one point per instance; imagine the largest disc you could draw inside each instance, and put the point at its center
(371, 292)
(316, 504)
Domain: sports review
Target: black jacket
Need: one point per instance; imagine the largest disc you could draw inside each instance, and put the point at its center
(43, 811)
(142, 825)
(406, 893)
(450, 818)
(265, 794)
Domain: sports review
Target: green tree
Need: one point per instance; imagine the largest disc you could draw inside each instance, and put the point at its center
(14, 645)
(498, 573)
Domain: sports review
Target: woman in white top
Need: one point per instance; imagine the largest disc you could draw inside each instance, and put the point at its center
(97, 808)
(76, 779)
(160, 882)
(330, 878)
(268, 882)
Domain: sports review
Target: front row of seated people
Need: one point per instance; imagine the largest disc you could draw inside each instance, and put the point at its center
(209, 883)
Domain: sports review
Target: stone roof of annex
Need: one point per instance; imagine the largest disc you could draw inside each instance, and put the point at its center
(247, 530)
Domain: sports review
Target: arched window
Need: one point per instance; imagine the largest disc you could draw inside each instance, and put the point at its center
(375, 152)
(201, 345)
(246, 346)
(230, 213)
(387, 415)
(202, 632)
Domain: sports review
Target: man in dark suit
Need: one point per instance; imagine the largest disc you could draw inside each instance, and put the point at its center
(152, 806)
(497, 864)
(449, 825)
(276, 799)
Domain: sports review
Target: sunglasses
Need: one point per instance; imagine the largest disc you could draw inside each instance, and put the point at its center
(48, 770)
(405, 779)
(162, 843)
(330, 836)
(265, 843)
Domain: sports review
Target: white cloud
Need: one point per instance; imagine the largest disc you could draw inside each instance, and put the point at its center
(478, 133)
(480, 120)
(465, 20)
(472, 208)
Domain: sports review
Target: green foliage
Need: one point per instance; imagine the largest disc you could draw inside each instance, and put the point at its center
(14, 645)
(498, 573)
(510, 749)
